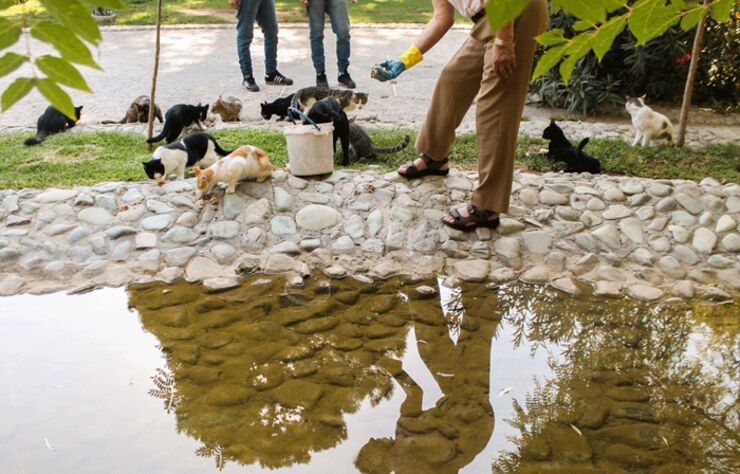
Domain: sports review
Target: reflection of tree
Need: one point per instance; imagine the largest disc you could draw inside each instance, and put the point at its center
(635, 387)
(164, 388)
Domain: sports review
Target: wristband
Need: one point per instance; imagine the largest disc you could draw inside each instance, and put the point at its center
(503, 44)
(411, 57)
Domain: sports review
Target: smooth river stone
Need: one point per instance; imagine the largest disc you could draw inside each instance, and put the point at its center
(158, 207)
(158, 222)
(725, 224)
(550, 198)
(56, 195)
(538, 242)
(282, 225)
(616, 211)
(645, 292)
(633, 229)
(225, 229)
(96, 216)
(316, 217)
(283, 200)
(731, 242)
(704, 240)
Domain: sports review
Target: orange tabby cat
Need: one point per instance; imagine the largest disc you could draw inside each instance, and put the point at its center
(245, 162)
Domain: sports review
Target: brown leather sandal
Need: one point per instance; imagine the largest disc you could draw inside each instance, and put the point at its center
(432, 169)
(477, 218)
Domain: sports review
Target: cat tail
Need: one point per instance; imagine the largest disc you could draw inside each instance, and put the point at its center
(35, 140)
(220, 150)
(107, 122)
(394, 149)
(583, 143)
(160, 137)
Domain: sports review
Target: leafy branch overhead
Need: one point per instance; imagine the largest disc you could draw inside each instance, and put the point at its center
(70, 33)
(600, 21)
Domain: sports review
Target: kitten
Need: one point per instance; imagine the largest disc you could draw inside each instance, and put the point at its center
(138, 111)
(560, 149)
(245, 162)
(177, 118)
(228, 109)
(649, 125)
(329, 110)
(363, 146)
(305, 98)
(197, 149)
(50, 122)
(277, 107)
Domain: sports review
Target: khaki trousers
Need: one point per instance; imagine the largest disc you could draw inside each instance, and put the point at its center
(499, 106)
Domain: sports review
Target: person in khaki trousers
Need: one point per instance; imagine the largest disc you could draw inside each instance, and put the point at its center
(494, 67)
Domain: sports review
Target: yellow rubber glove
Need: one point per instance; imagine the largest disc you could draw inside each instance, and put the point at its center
(411, 56)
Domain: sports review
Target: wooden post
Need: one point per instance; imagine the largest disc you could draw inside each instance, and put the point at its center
(693, 66)
(150, 130)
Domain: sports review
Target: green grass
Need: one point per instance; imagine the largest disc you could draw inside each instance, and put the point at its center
(74, 159)
(143, 12)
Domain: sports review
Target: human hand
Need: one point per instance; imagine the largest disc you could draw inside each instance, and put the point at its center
(235, 4)
(387, 70)
(305, 3)
(504, 61)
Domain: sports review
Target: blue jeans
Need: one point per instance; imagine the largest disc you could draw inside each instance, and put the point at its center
(264, 12)
(339, 16)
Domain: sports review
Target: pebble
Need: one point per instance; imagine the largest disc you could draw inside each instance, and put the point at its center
(106, 202)
(725, 224)
(550, 198)
(613, 194)
(121, 251)
(257, 212)
(536, 275)
(645, 292)
(178, 257)
(282, 225)
(119, 231)
(132, 195)
(285, 247)
(666, 204)
(78, 233)
(316, 217)
(310, 244)
(616, 211)
(595, 204)
(223, 252)
(509, 226)
(283, 200)
(694, 206)
(704, 240)
(660, 190)
(56, 195)
(472, 269)
(683, 218)
(158, 207)
(608, 235)
(145, 240)
(538, 242)
(158, 222)
(343, 244)
(731, 242)
(96, 216)
(225, 229)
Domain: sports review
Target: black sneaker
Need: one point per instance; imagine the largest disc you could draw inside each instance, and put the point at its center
(321, 80)
(249, 83)
(346, 80)
(278, 79)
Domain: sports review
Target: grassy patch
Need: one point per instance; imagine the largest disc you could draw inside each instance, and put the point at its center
(72, 159)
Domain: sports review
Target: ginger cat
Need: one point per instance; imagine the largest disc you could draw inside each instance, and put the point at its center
(245, 162)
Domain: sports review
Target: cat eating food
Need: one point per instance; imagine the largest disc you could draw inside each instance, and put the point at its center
(329, 110)
(362, 144)
(229, 109)
(649, 125)
(560, 149)
(50, 122)
(245, 162)
(277, 107)
(349, 100)
(138, 112)
(177, 118)
(196, 149)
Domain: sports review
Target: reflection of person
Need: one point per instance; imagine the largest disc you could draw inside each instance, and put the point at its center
(263, 11)
(339, 17)
(496, 69)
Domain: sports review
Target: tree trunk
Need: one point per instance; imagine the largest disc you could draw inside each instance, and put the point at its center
(693, 66)
(150, 130)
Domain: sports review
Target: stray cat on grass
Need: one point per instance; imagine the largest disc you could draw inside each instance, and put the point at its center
(363, 146)
(196, 149)
(245, 162)
(649, 125)
(329, 110)
(50, 122)
(305, 98)
(277, 107)
(560, 149)
(229, 108)
(138, 111)
(177, 118)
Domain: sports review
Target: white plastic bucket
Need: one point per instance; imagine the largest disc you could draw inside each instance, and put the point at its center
(310, 151)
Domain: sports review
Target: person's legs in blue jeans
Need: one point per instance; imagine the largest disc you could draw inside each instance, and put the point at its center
(245, 17)
(267, 20)
(316, 12)
(339, 16)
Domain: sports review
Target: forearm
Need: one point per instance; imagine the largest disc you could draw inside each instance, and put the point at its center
(437, 27)
(506, 33)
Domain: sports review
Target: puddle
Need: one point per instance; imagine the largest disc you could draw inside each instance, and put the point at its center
(345, 376)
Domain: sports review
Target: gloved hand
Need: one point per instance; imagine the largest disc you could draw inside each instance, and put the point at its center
(388, 69)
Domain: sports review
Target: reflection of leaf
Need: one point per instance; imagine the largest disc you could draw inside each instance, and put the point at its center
(165, 389)
(214, 452)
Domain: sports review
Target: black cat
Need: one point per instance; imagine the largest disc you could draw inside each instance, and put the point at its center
(52, 121)
(329, 110)
(278, 107)
(560, 149)
(177, 118)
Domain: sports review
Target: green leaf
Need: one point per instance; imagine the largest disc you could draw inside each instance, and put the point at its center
(592, 10)
(651, 19)
(16, 91)
(583, 25)
(61, 71)
(604, 38)
(721, 10)
(74, 16)
(64, 40)
(10, 62)
(10, 31)
(549, 60)
(612, 5)
(56, 96)
(685, 5)
(692, 17)
(113, 4)
(552, 37)
(578, 47)
(501, 12)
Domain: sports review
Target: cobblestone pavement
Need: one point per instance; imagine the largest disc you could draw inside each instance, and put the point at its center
(198, 64)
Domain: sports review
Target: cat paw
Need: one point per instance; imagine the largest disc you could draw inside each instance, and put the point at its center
(201, 203)
(214, 201)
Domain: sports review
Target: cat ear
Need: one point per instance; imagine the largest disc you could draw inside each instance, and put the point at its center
(144, 163)
(552, 121)
(643, 97)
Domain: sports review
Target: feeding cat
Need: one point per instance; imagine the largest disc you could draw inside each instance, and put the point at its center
(305, 98)
(228, 109)
(138, 111)
(50, 122)
(196, 149)
(560, 149)
(177, 118)
(363, 146)
(245, 162)
(329, 110)
(649, 125)
(277, 107)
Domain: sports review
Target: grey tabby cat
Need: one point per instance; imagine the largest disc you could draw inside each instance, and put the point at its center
(304, 99)
(363, 146)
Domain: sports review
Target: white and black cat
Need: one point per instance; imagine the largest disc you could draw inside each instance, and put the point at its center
(560, 149)
(177, 118)
(649, 125)
(305, 98)
(52, 121)
(364, 147)
(195, 149)
(329, 110)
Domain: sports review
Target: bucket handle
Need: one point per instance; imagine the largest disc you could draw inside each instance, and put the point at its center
(293, 110)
